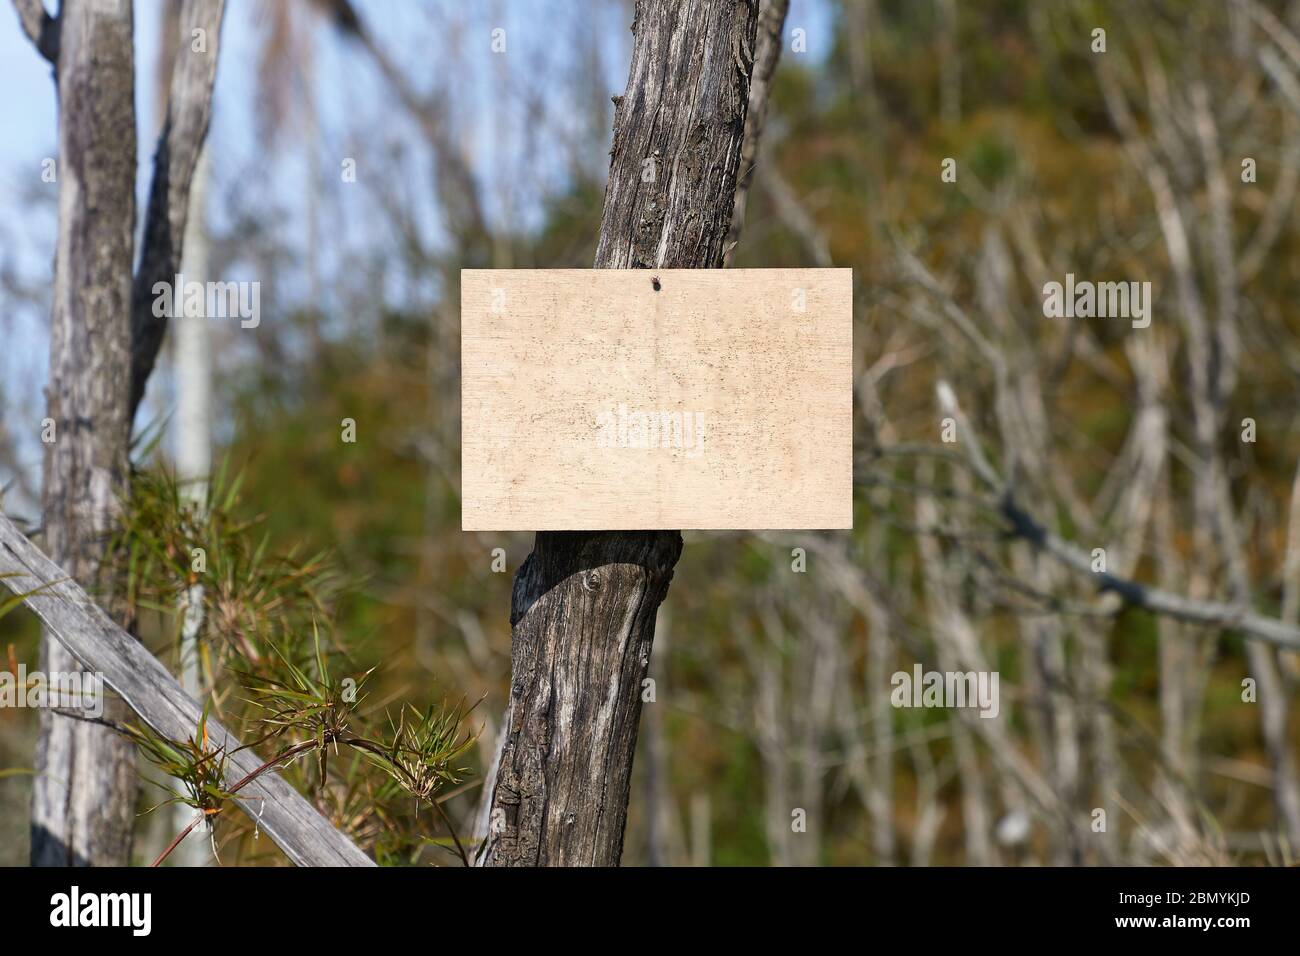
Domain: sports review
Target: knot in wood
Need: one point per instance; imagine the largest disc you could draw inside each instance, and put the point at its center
(591, 581)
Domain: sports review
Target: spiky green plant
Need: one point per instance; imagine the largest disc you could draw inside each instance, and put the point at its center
(194, 764)
(252, 594)
(275, 666)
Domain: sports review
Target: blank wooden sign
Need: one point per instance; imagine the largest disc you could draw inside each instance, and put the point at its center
(616, 399)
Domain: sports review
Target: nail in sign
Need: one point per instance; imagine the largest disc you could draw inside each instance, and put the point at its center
(615, 399)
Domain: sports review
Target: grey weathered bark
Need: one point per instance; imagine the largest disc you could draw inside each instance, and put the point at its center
(83, 794)
(189, 109)
(584, 604)
(771, 24)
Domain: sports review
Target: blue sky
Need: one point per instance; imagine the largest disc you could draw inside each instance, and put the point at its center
(439, 43)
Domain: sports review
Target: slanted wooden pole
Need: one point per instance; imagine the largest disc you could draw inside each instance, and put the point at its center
(99, 645)
(584, 604)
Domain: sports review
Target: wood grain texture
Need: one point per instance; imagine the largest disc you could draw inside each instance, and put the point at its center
(89, 636)
(593, 401)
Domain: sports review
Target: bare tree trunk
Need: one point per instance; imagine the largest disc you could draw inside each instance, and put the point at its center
(768, 51)
(185, 128)
(584, 604)
(83, 798)
(193, 459)
(191, 345)
(103, 342)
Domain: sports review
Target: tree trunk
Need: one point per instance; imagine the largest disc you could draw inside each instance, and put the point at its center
(583, 609)
(771, 24)
(193, 366)
(83, 799)
(185, 128)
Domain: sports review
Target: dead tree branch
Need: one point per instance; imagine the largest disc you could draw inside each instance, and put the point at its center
(41, 28)
(1024, 526)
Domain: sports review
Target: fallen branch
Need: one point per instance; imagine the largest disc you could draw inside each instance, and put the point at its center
(306, 838)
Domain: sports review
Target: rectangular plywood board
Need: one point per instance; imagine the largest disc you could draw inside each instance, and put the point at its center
(590, 400)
